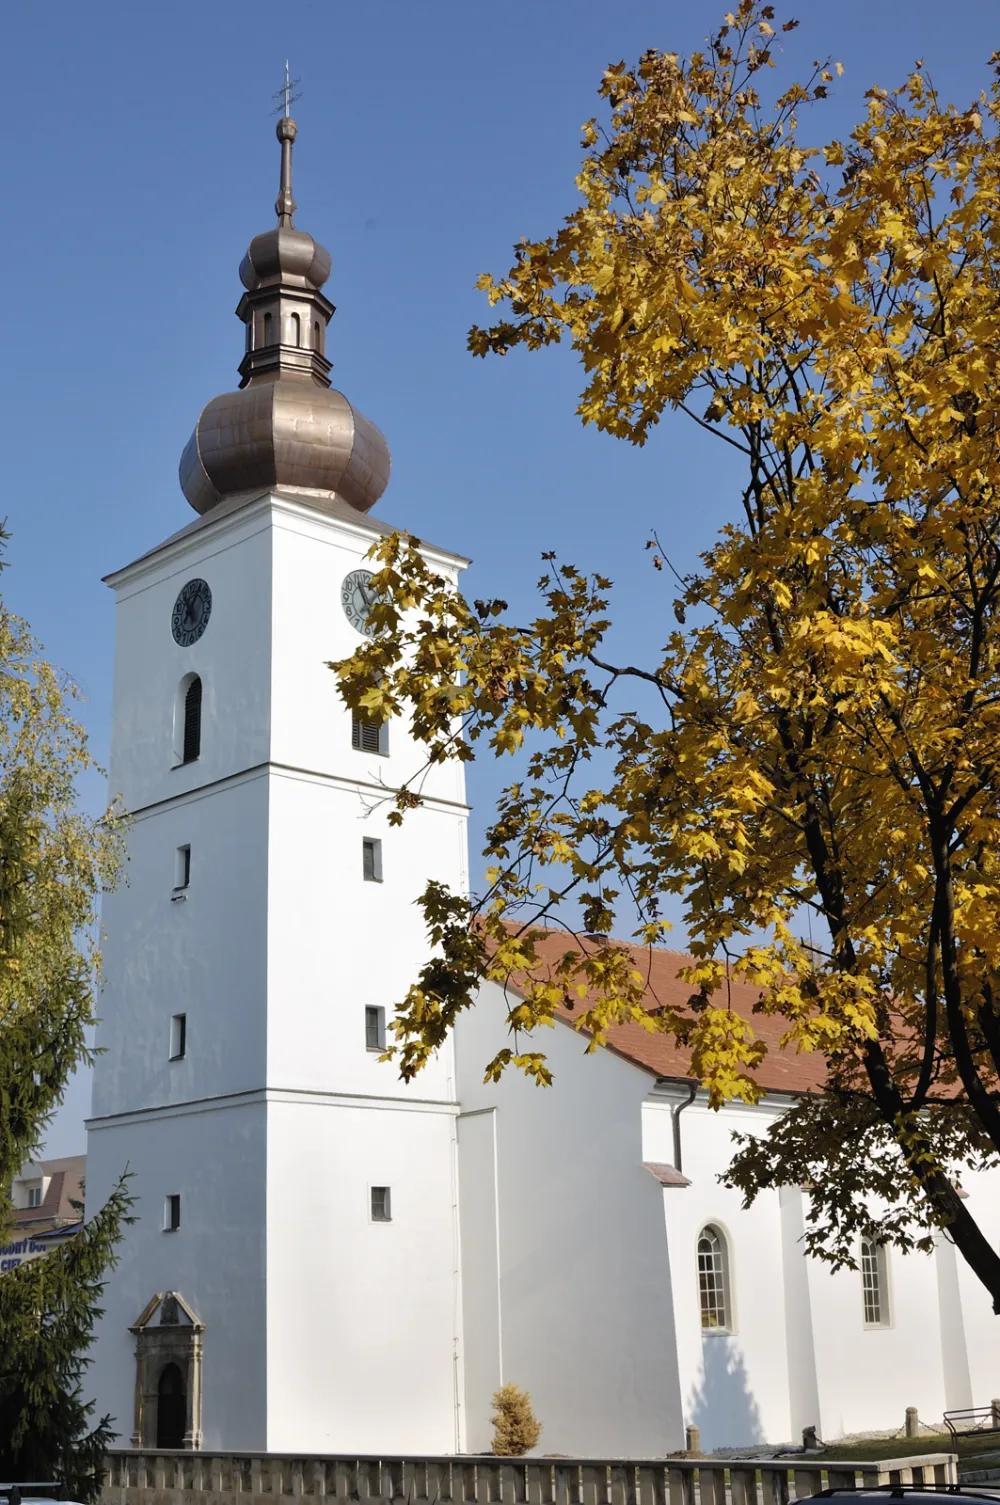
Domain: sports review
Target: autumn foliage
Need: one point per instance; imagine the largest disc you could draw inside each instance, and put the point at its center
(515, 1430)
(820, 731)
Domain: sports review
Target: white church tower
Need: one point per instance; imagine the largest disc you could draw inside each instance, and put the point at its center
(292, 1279)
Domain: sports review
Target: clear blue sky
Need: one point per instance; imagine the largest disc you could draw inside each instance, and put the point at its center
(140, 161)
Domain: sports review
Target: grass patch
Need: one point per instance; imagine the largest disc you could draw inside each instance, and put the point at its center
(909, 1447)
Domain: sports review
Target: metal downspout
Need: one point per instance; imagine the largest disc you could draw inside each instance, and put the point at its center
(675, 1114)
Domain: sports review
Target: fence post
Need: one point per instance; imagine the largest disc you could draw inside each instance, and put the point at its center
(692, 1439)
(912, 1422)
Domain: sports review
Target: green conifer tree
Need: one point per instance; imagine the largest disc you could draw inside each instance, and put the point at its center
(54, 863)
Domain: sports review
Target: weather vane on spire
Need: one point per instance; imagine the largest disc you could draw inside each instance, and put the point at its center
(285, 95)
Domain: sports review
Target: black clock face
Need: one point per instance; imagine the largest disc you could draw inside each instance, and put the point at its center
(357, 599)
(191, 612)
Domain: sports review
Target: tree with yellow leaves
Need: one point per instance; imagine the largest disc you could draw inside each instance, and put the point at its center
(821, 732)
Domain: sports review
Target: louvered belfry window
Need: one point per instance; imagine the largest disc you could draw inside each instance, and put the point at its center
(370, 736)
(192, 721)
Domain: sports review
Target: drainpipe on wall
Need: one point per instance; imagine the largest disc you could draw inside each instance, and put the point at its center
(675, 1114)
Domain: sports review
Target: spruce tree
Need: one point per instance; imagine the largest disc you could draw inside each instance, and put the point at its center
(54, 863)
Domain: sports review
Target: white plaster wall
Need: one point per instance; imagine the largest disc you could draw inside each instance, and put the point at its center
(957, 1376)
(868, 1376)
(981, 1325)
(800, 1353)
(479, 1232)
(800, 1338)
(734, 1386)
(273, 953)
(216, 1161)
(205, 955)
(362, 1350)
(584, 1285)
(311, 727)
(337, 943)
(232, 658)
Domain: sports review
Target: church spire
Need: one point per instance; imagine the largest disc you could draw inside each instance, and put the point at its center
(287, 132)
(284, 204)
(285, 313)
(286, 426)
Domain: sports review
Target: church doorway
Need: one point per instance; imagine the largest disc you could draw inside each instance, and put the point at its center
(171, 1408)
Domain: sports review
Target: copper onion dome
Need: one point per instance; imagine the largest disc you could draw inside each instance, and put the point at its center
(286, 426)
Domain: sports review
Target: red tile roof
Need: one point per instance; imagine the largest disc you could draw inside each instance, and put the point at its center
(667, 1175)
(65, 1187)
(780, 1071)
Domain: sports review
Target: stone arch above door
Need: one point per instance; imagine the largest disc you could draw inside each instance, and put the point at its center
(168, 1349)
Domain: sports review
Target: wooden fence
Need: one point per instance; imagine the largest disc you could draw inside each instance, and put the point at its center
(148, 1478)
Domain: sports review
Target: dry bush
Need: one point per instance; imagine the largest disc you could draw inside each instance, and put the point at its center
(515, 1429)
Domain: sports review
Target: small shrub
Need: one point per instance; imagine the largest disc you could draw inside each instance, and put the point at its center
(515, 1429)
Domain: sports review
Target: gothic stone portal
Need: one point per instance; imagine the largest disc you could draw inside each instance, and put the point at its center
(168, 1346)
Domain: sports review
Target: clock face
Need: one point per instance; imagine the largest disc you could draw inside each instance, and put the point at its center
(191, 612)
(357, 599)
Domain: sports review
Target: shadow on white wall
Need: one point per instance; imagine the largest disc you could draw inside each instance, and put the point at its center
(722, 1404)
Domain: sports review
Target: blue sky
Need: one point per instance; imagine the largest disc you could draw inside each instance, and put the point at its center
(140, 161)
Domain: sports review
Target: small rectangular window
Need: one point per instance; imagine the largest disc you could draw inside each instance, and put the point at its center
(370, 736)
(182, 867)
(371, 859)
(34, 1196)
(172, 1213)
(381, 1205)
(178, 1037)
(375, 1028)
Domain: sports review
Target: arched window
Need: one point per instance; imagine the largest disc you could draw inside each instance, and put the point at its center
(268, 323)
(874, 1283)
(317, 342)
(296, 330)
(713, 1281)
(171, 1408)
(191, 741)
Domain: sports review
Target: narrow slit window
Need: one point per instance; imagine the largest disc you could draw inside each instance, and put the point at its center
(296, 324)
(172, 1213)
(374, 1028)
(371, 860)
(317, 342)
(381, 1204)
(182, 867)
(192, 722)
(713, 1281)
(268, 326)
(874, 1284)
(370, 736)
(178, 1037)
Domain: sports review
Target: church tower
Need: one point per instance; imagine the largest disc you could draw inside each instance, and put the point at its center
(292, 1280)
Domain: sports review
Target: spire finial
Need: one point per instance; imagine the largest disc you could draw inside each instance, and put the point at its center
(287, 131)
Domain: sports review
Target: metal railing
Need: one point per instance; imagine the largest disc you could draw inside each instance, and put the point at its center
(157, 1478)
